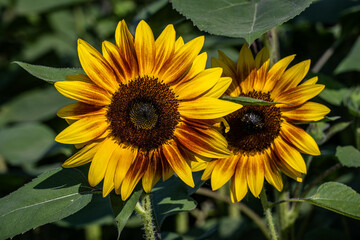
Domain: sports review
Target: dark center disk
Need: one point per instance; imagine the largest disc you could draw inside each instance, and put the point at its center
(143, 115)
(253, 128)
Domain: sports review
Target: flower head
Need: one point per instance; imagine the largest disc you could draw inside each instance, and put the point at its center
(262, 138)
(145, 109)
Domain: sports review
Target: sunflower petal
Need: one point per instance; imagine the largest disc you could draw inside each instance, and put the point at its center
(100, 161)
(109, 185)
(262, 57)
(96, 67)
(246, 63)
(311, 81)
(203, 82)
(112, 55)
(126, 156)
(290, 155)
(125, 42)
(223, 171)
(207, 108)
(298, 95)
(276, 72)
(82, 157)
(165, 47)
(145, 48)
(309, 111)
(240, 179)
(255, 175)
(80, 110)
(83, 130)
(179, 43)
(83, 92)
(205, 142)
(178, 163)
(272, 174)
(182, 60)
(299, 138)
(134, 174)
(153, 173)
(197, 67)
(218, 90)
(167, 171)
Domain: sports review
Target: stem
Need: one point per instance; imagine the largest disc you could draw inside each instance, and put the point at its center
(242, 207)
(272, 43)
(145, 212)
(93, 232)
(182, 222)
(325, 57)
(267, 209)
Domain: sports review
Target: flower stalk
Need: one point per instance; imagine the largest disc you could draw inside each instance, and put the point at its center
(144, 210)
(269, 218)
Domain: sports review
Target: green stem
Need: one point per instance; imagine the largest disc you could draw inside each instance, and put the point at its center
(144, 210)
(269, 218)
(182, 222)
(93, 232)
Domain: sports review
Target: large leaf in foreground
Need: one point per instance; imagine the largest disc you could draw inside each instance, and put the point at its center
(50, 197)
(337, 197)
(49, 74)
(123, 209)
(172, 196)
(239, 18)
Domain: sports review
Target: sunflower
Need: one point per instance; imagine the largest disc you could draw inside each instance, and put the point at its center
(263, 138)
(145, 109)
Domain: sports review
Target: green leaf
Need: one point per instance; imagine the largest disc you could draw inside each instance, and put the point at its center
(50, 197)
(332, 131)
(123, 209)
(337, 197)
(348, 156)
(351, 61)
(334, 96)
(172, 196)
(38, 6)
(49, 74)
(34, 105)
(239, 18)
(25, 143)
(248, 101)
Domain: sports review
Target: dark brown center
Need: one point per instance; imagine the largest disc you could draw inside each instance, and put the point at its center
(254, 127)
(143, 113)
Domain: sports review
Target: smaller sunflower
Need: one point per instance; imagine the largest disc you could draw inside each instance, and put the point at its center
(144, 109)
(262, 138)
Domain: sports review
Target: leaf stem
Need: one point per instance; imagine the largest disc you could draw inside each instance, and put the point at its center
(144, 210)
(269, 218)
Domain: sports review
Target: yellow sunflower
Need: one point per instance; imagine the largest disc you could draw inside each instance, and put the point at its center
(145, 109)
(262, 138)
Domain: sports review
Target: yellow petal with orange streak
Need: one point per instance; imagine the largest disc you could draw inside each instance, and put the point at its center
(223, 171)
(145, 48)
(81, 157)
(255, 174)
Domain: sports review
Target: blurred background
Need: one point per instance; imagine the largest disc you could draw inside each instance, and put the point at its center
(44, 32)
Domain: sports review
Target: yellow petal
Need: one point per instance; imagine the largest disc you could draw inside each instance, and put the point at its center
(80, 110)
(100, 161)
(223, 171)
(205, 142)
(134, 174)
(291, 78)
(272, 174)
(276, 72)
(299, 138)
(309, 111)
(182, 60)
(262, 57)
(178, 163)
(207, 108)
(197, 67)
(311, 81)
(289, 154)
(79, 77)
(83, 92)
(298, 95)
(261, 77)
(179, 43)
(227, 61)
(153, 173)
(83, 130)
(125, 42)
(219, 89)
(255, 174)
(126, 157)
(81, 157)
(165, 47)
(246, 63)
(240, 180)
(108, 185)
(167, 171)
(203, 82)
(96, 67)
(208, 170)
(145, 48)
(197, 166)
(112, 55)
